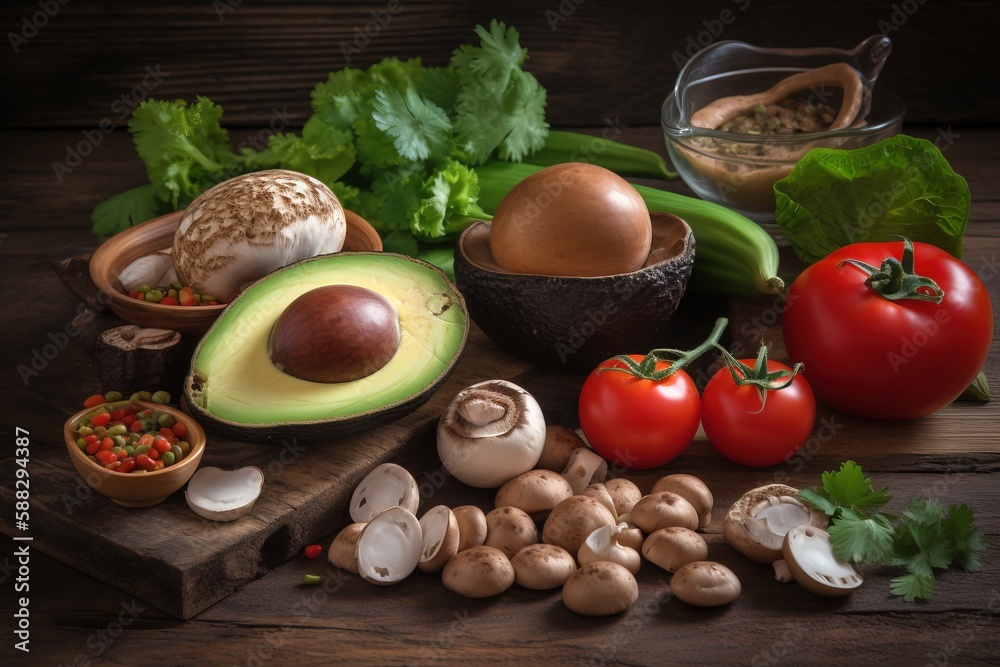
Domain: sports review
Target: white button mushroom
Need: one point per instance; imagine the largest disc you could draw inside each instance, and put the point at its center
(624, 493)
(705, 584)
(490, 433)
(599, 492)
(600, 589)
(479, 572)
(244, 228)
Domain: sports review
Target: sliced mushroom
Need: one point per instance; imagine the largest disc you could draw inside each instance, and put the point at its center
(490, 433)
(509, 530)
(223, 495)
(810, 558)
(691, 489)
(662, 510)
(624, 493)
(673, 548)
(599, 492)
(605, 544)
(536, 492)
(559, 445)
(343, 551)
(705, 584)
(388, 485)
(471, 526)
(584, 468)
(439, 537)
(756, 524)
(389, 547)
(572, 520)
(542, 566)
(479, 572)
(600, 589)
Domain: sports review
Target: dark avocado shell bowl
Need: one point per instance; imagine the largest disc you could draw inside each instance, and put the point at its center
(575, 323)
(234, 389)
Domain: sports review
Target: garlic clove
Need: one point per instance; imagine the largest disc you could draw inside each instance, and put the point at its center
(147, 270)
(604, 545)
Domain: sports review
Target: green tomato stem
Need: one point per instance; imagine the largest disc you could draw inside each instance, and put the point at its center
(895, 279)
(759, 377)
(646, 369)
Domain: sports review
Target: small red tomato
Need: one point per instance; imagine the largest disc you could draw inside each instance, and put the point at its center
(101, 419)
(93, 447)
(128, 464)
(117, 415)
(752, 433)
(169, 301)
(162, 445)
(143, 461)
(106, 444)
(93, 401)
(313, 551)
(180, 430)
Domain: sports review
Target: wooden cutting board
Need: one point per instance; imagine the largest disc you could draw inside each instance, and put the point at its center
(171, 558)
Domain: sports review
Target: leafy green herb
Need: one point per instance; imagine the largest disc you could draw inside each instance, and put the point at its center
(922, 539)
(899, 186)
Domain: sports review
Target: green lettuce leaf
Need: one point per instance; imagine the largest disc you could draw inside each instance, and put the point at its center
(900, 186)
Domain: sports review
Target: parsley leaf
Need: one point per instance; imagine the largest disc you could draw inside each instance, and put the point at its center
(960, 528)
(419, 128)
(860, 538)
(850, 488)
(912, 586)
(131, 206)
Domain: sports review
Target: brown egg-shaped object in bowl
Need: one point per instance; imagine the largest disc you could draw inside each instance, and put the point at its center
(155, 235)
(576, 322)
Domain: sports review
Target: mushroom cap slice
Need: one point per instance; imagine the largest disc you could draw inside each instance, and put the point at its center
(756, 524)
(439, 538)
(542, 566)
(535, 492)
(662, 510)
(673, 548)
(478, 572)
(584, 468)
(811, 560)
(343, 552)
(388, 485)
(223, 495)
(705, 584)
(600, 589)
(248, 226)
(510, 530)
(389, 547)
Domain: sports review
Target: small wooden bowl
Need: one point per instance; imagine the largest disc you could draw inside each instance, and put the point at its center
(111, 258)
(137, 489)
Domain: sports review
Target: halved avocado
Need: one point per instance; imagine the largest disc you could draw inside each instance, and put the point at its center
(574, 323)
(234, 389)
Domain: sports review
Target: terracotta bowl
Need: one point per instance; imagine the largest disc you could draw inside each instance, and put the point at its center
(137, 489)
(124, 248)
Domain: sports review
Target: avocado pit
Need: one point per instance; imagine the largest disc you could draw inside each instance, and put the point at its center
(335, 333)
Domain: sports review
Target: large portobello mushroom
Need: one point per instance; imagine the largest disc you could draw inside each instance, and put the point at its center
(326, 347)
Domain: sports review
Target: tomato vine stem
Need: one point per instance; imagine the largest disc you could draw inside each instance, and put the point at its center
(895, 279)
(646, 368)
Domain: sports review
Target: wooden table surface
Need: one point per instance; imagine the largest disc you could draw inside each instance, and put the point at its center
(953, 455)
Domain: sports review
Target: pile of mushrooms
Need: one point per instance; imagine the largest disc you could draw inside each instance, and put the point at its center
(576, 529)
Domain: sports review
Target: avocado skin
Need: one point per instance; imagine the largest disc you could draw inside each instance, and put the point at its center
(574, 323)
(331, 428)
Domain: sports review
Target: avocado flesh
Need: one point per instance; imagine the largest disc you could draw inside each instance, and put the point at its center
(237, 382)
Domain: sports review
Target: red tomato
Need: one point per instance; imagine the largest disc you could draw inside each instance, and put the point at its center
(742, 432)
(638, 423)
(314, 551)
(882, 359)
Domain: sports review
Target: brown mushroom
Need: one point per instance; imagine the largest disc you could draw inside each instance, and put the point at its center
(674, 547)
(705, 584)
(691, 489)
(662, 510)
(509, 530)
(471, 526)
(542, 566)
(479, 572)
(756, 524)
(536, 492)
(343, 551)
(560, 442)
(624, 493)
(572, 520)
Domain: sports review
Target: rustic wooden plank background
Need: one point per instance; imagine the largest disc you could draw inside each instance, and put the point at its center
(596, 58)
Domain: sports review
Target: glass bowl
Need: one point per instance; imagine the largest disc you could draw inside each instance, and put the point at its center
(739, 170)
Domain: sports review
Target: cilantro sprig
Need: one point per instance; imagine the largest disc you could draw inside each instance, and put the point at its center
(924, 538)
